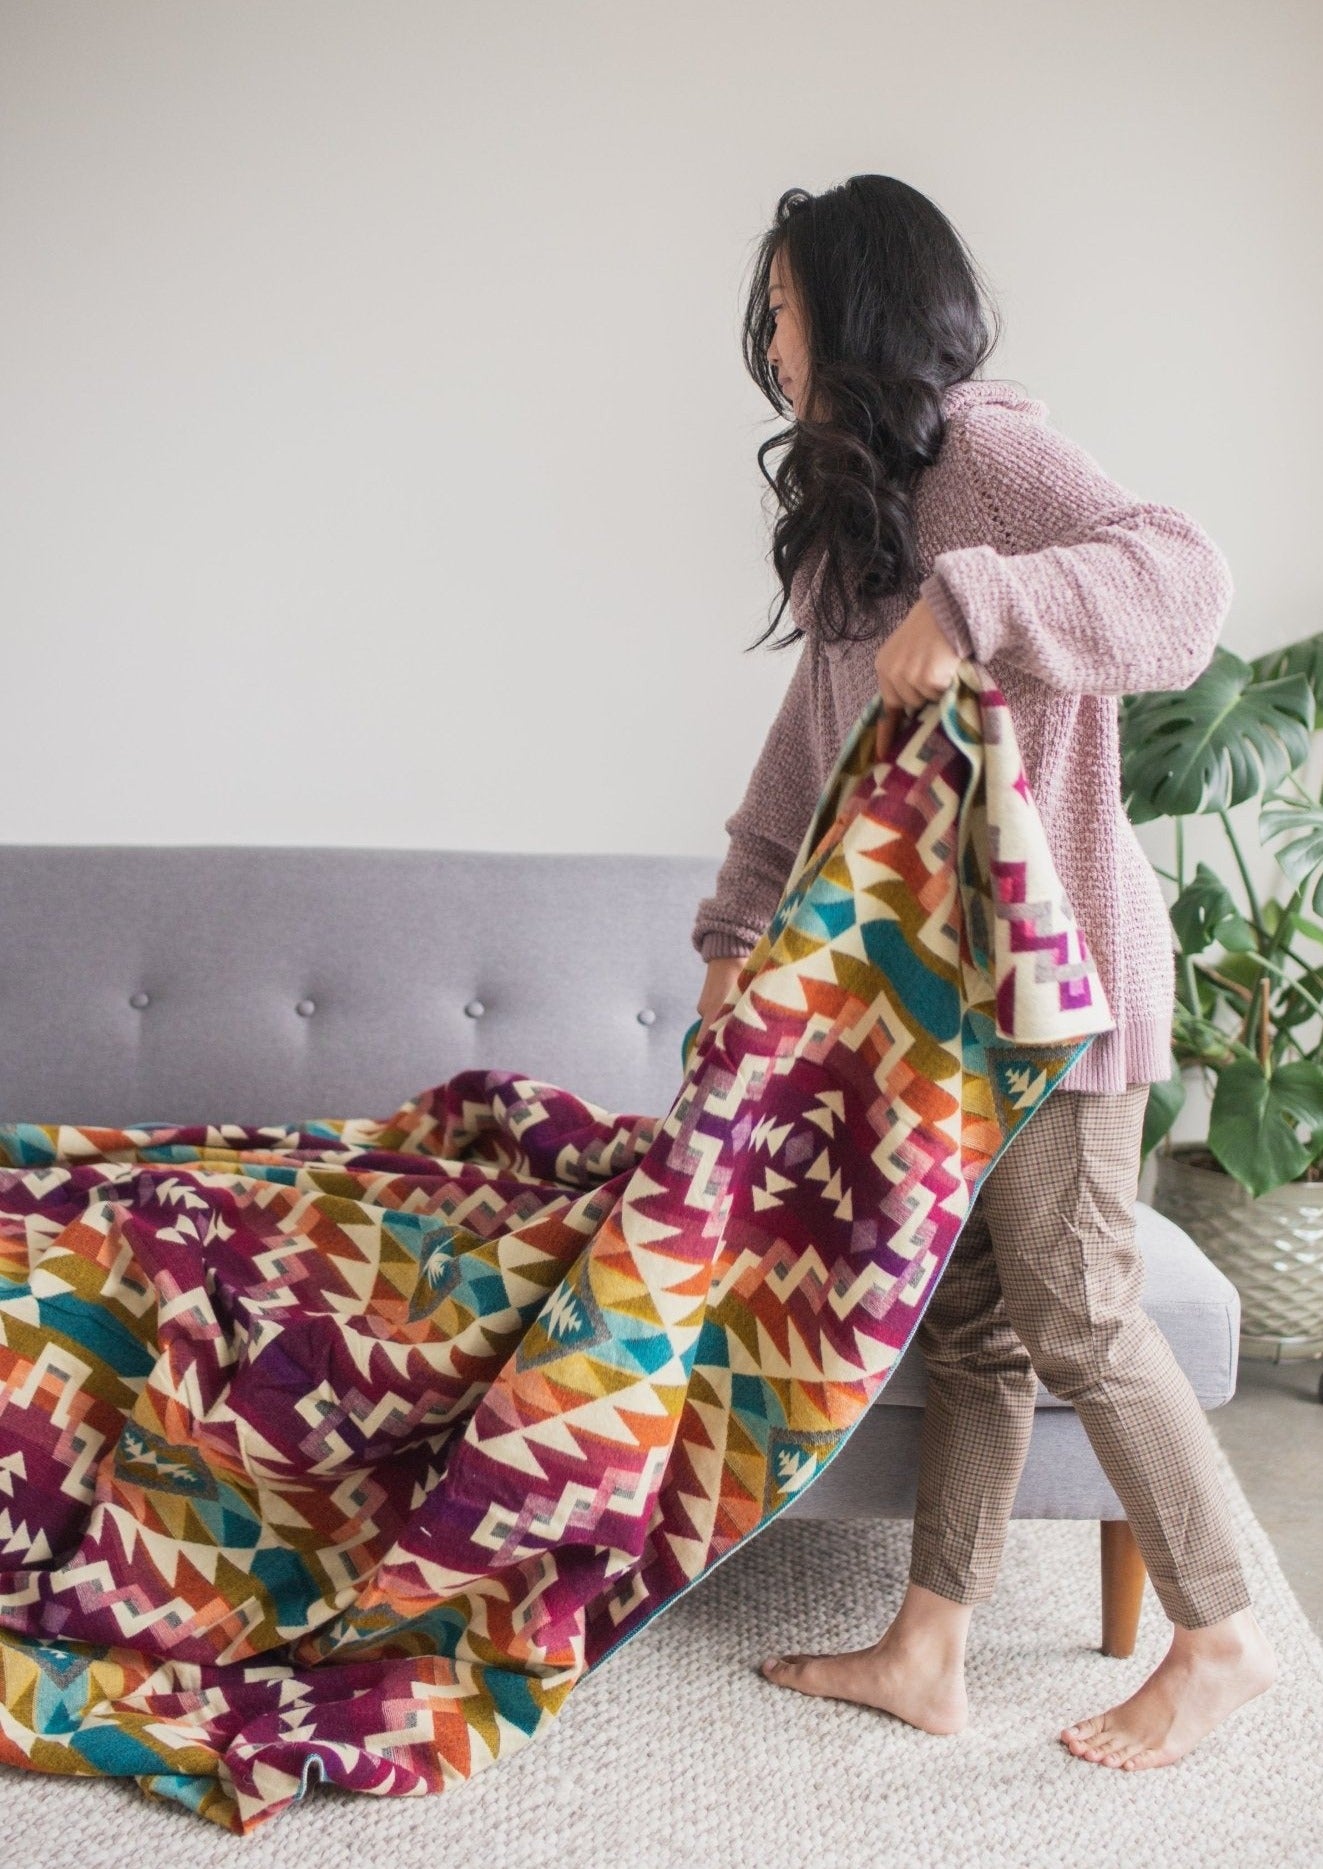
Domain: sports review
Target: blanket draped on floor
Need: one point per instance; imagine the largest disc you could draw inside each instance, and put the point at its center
(340, 1451)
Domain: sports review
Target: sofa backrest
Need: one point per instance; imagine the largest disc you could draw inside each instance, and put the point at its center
(168, 983)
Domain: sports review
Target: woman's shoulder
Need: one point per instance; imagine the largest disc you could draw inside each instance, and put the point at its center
(990, 421)
(1005, 461)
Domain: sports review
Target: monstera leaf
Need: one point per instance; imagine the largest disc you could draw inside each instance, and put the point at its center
(1166, 1100)
(1225, 738)
(1254, 1118)
(1298, 658)
(1300, 924)
(1204, 912)
(1296, 831)
(1298, 1000)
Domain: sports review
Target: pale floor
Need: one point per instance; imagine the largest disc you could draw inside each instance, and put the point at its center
(1272, 1433)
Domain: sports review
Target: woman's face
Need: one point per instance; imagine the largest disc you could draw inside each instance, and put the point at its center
(787, 352)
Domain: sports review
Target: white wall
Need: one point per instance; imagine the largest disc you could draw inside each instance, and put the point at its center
(377, 455)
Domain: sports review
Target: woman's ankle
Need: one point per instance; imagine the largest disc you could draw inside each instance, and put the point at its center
(1227, 1636)
(931, 1622)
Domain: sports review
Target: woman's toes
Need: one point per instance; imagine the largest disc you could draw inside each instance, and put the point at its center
(1088, 1731)
(1149, 1756)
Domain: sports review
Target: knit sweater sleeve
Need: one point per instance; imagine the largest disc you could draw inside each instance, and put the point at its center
(1088, 587)
(765, 830)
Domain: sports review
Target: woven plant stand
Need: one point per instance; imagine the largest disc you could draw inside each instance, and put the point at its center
(1270, 1246)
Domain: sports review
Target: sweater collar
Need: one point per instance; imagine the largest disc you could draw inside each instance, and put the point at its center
(975, 390)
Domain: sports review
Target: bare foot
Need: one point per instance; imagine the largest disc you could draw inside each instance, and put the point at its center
(918, 1686)
(1205, 1675)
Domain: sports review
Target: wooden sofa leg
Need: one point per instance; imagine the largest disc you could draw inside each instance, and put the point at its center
(1123, 1580)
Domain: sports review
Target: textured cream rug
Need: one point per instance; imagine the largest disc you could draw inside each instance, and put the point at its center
(677, 1755)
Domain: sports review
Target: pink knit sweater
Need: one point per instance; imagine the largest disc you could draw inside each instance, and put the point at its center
(1070, 591)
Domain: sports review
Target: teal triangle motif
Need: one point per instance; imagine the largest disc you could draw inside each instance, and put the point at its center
(572, 1323)
(826, 920)
(61, 1666)
(149, 1461)
(795, 1457)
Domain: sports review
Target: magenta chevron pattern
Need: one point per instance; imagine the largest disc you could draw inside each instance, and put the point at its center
(340, 1451)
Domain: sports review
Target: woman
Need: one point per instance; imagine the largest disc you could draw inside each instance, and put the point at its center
(929, 515)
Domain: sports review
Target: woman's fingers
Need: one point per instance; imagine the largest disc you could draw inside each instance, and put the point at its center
(886, 721)
(884, 730)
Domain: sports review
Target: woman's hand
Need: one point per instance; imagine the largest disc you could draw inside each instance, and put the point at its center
(915, 664)
(721, 976)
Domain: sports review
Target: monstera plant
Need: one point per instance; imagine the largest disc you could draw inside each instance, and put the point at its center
(1249, 996)
(1249, 1000)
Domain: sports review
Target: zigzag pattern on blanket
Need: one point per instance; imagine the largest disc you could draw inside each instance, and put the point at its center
(343, 1450)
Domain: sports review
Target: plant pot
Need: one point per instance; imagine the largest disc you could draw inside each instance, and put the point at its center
(1269, 1245)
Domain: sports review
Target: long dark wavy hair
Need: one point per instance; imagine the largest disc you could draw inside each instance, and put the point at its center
(894, 310)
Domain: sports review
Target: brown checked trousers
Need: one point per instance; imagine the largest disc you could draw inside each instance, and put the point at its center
(1045, 1280)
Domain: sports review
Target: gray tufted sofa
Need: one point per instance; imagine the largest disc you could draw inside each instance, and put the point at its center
(147, 983)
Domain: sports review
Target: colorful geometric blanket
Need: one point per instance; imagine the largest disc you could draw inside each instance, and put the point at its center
(340, 1452)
